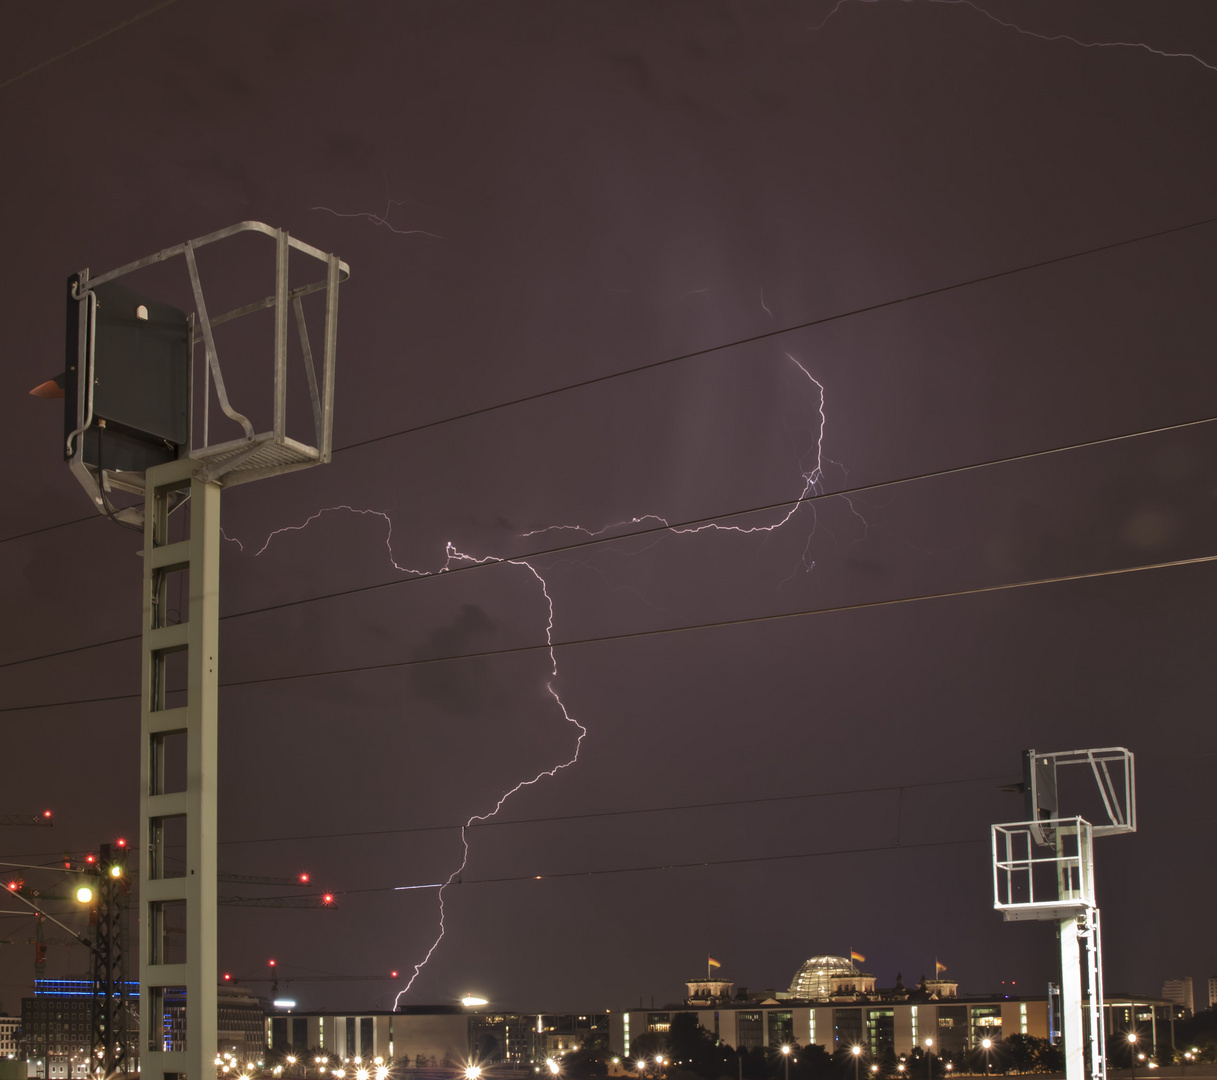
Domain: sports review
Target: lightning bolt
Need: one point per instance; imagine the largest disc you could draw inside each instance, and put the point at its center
(812, 483)
(1005, 24)
(380, 220)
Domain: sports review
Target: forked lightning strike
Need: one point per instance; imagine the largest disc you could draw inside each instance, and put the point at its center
(813, 481)
(812, 485)
(1006, 25)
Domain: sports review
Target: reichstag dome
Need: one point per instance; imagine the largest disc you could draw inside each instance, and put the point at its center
(823, 977)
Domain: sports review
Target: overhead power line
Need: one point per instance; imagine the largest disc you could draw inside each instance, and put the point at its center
(865, 309)
(90, 41)
(627, 812)
(600, 639)
(692, 864)
(712, 349)
(649, 530)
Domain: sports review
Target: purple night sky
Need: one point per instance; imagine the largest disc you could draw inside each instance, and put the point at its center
(533, 194)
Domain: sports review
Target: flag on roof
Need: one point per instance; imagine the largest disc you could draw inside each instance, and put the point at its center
(857, 956)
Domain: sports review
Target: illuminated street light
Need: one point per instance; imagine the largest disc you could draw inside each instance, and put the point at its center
(1132, 1057)
(553, 1066)
(472, 1072)
(786, 1059)
(856, 1050)
(929, 1060)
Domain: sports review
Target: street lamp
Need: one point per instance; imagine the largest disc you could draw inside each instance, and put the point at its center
(1132, 1054)
(929, 1060)
(856, 1050)
(786, 1058)
(472, 1072)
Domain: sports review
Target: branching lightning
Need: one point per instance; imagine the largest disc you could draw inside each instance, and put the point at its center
(812, 483)
(1007, 25)
(380, 220)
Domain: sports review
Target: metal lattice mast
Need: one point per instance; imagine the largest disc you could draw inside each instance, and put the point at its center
(109, 1043)
(1043, 869)
(187, 901)
(133, 399)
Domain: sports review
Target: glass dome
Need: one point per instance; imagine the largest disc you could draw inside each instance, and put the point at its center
(821, 976)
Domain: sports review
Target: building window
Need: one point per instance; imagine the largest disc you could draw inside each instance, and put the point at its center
(751, 1032)
(780, 1026)
(847, 1028)
(986, 1023)
(952, 1029)
(880, 1030)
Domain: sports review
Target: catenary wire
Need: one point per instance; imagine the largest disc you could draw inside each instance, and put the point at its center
(821, 321)
(90, 41)
(599, 639)
(497, 822)
(690, 865)
(650, 530)
(709, 350)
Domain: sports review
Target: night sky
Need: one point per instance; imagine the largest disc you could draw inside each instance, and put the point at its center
(537, 194)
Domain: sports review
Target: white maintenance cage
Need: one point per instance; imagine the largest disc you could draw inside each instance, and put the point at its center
(1035, 882)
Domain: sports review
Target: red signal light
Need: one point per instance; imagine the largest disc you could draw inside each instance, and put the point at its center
(121, 841)
(304, 879)
(90, 859)
(328, 899)
(227, 977)
(393, 974)
(46, 813)
(272, 963)
(13, 886)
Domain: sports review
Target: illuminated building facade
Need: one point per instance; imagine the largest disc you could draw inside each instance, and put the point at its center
(56, 1027)
(1180, 992)
(10, 1029)
(833, 1004)
(430, 1036)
